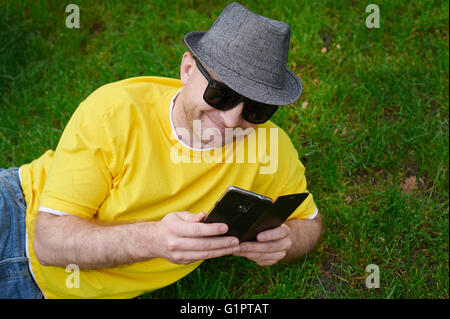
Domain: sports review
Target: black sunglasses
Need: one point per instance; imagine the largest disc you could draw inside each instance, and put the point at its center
(223, 98)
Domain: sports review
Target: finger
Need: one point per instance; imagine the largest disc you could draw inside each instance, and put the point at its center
(265, 247)
(190, 217)
(217, 252)
(257, 256)
(193, 256)
(255, 247)
(274, 234)
(262, 259)
(204, 244)
(198, 229)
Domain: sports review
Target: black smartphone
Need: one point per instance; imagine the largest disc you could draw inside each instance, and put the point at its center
(248, 214)
(275, 215)
(238, 208)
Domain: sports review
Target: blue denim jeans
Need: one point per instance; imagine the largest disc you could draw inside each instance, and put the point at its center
(15, 278)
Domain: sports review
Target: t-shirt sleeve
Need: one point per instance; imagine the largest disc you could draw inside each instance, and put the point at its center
(82, 170)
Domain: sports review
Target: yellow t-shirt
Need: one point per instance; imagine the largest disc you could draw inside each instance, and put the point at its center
(118, 161)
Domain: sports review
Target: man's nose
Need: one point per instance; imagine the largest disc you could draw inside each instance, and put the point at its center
(233, 117)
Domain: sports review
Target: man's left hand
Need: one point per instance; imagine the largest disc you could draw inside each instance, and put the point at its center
(270, 246)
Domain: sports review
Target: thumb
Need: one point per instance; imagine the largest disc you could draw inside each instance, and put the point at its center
(190, 217)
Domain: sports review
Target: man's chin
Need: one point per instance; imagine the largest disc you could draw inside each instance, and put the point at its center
(215, 143)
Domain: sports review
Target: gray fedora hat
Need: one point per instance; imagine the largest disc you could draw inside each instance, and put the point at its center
(248, 52)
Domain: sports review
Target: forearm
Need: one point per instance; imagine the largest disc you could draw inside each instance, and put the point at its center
(305, 234)
(64, 240)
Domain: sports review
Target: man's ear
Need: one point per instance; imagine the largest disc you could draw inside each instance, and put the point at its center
(187, 67)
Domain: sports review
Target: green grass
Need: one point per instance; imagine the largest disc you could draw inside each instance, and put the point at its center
(376, 117)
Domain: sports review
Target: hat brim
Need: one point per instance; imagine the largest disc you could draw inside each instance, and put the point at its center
(289, 92)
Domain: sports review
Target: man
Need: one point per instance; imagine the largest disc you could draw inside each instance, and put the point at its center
(123, 196)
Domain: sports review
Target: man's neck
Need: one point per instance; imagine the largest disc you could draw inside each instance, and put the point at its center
(181, 122)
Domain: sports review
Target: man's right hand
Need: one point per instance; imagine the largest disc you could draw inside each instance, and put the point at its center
(182, 238)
